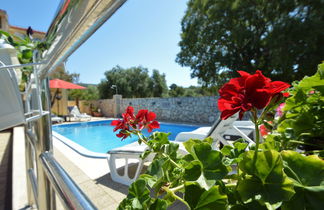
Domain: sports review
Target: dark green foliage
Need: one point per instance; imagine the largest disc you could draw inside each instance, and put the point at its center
(285, 39)
(307, 174)
(303, 115)
(133, 82)
(61, 73)
(158, 84)
(191, 91)
(25, 47)
(264, 178)
(91, 93)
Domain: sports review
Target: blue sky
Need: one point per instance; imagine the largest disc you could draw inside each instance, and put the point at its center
(141, 32)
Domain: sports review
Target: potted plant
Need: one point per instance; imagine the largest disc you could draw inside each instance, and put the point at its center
(284, 171)
(95, 111)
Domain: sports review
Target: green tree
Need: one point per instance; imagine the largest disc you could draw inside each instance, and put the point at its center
(91, 93)
(191, 91)
(131, 82)
(283, 38)
(176, 91)
(60, 73)
(158, 84)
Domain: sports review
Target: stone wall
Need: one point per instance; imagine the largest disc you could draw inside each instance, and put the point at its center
(179, 109)
(106, 106)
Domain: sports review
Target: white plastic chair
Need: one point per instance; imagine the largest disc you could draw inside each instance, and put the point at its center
(131, 153)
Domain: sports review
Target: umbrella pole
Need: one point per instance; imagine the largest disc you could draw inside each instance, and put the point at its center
(54, 97)
(58, 105)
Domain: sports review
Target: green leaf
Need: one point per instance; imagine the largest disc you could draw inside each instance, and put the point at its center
(265, 181)
(145, 154)
(139, 190)
(240, 146)
(158, 204)
(150, 180)
(212, 199)
(193, 191)
(226, 150)
(272, 142)
(138, 196)
(248, 206)
(27, 54)
(208, 140)
(313, 81)
(193, 171)
(307, 172)
(171, 149)
(190, 143)
(211, 163)
(155, 168)
(157, 140)
(320, 70)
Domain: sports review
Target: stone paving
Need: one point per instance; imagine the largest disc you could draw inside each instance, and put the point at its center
(102, 191)
(5, 173)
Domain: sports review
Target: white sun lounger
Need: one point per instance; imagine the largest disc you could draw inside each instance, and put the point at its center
(222, 131)
(75, 112)
(131, 153)
(56, 119)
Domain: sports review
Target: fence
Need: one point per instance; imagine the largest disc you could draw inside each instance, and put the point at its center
(178, 109)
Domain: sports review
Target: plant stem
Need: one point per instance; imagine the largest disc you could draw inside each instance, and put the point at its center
(312, 151)
(166, 189)
(257, 137)
(139, 134)
(231, 185)
(172, 161)
(175, 189)
(301, 142)
(164, 155)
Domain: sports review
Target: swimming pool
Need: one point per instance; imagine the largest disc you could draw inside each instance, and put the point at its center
(98, 136)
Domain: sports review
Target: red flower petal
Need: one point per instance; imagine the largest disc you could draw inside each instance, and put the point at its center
(152, 126)
(286, 94)
(243, 73)
(130, 110)
(115, 122)
(227, 113)
(277, 87)
(141, 115)
(150, 116)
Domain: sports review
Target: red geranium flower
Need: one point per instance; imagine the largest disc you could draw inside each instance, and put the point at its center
(146, 119)
(243, 93)
(130, 122)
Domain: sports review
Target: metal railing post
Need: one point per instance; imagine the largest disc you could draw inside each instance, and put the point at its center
(44, 144)
(29, 165)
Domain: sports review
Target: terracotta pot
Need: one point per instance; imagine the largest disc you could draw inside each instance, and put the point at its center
(97, 114)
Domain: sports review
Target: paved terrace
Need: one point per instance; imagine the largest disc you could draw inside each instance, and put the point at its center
(93, 177)
(5, 168)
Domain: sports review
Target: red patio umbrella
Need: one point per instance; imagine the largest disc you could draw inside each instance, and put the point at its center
(57, 83)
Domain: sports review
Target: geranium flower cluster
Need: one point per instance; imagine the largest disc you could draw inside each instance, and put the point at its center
(132, 123)
(244, 93)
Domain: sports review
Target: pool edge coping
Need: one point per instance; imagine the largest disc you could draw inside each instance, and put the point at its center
(78, 148)
(84, 151)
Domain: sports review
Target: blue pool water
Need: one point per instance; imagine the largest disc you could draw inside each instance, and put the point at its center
(99, 136)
